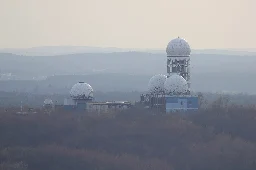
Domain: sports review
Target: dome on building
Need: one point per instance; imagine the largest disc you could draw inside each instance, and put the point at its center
(175, 85)
(156, 84)
(48, 102)
(178, 47)
(81, 90)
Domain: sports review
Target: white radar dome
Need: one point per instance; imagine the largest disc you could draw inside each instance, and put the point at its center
(48, 102)
(175, 85)
(156, 84)
(81, 90)
(178, 47)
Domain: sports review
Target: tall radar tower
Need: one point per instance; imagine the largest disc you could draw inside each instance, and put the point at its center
(178, 58)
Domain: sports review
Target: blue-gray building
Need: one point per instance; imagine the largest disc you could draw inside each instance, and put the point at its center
(181, 103)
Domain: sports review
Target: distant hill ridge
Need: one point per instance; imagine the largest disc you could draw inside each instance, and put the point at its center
(209, 72)
(64, 50)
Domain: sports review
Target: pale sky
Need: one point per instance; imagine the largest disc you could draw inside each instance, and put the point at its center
(127, 23)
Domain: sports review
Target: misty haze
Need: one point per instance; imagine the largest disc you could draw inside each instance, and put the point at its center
(127, 85)
(117, 71)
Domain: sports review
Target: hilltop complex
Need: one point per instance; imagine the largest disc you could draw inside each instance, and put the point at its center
(170, 92)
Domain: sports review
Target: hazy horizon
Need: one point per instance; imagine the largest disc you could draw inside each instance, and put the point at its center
(65, 50)
(127, 24)
(127, 48)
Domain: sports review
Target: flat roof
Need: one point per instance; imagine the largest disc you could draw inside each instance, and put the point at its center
(110, 103)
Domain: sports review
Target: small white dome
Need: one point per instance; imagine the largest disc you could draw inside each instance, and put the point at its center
(81, 90)
(175, 85)
(156, 84)
(178, 47)
(48, 102)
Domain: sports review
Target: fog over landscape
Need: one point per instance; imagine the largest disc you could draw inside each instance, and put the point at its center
(127, 85)
(116, 46)
(112, 69)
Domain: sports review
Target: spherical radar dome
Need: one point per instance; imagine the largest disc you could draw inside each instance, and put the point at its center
(156, 84)
(178, 47)
(175, 85)
(81, 90)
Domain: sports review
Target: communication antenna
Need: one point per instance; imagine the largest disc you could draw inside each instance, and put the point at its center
(21, 106)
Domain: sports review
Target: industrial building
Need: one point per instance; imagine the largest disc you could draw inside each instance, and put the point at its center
(172, 92)
(182, 103)
(81, 100)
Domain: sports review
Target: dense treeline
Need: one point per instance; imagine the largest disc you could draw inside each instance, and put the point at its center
(13, 99)
(216, 138)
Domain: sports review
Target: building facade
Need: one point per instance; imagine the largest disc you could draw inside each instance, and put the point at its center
(181, 103)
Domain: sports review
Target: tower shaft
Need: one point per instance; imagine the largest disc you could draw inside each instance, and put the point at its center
(179, 65)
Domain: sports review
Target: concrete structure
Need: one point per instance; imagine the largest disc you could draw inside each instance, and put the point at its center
(178, 58)
(99, 107)
(105, 107)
